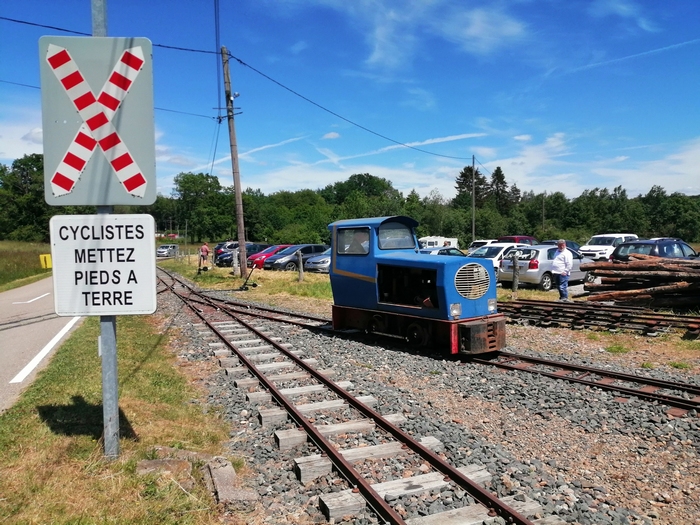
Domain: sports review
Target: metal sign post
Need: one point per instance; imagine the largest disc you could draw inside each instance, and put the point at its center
(99, 150)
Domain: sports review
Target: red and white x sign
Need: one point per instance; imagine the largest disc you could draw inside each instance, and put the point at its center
(97, 114)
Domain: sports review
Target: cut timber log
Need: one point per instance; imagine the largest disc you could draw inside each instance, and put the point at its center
(660, 273)
(625, 294)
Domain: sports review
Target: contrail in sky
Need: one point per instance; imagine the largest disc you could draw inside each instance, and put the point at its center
(651, 52)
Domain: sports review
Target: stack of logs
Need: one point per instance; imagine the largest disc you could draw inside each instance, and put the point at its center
(646, 281)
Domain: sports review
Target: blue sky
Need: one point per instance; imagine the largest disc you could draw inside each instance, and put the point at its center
(562, 95)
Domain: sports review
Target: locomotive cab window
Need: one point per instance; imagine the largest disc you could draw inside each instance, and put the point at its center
(353, 241)
(394, 235)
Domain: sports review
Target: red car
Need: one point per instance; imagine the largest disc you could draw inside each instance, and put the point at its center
(257, 259)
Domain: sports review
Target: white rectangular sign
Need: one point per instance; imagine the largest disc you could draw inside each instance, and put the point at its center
(103, 264)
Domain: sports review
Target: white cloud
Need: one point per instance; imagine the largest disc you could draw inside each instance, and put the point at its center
(484, 152)
(676, 172)
(331, 135)
(299, 47)
(35, 136)
(624, 9)
(480, 31)
(395, 28)
(523, 138)
(20, 132)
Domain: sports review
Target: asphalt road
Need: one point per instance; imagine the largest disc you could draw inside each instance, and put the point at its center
(30, 332)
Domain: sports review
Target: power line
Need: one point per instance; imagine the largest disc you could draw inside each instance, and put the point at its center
(267, 77)
(241, 62)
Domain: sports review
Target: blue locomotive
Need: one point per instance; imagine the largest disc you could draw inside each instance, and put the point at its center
(383, 284)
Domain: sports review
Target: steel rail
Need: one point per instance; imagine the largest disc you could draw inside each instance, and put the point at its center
(584, 378)
(488, 500)
(380, 506)
(615, 314)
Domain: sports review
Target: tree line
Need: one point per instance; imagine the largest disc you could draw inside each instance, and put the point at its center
(200, 208)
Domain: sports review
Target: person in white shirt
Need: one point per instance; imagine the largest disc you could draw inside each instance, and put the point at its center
(561, 269)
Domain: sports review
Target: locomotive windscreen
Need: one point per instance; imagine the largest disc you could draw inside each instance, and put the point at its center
(395, 235)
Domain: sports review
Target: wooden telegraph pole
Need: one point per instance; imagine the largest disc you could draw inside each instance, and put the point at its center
(242, 256)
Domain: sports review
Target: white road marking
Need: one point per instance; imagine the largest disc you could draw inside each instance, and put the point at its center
(44, 351)
(32, 300)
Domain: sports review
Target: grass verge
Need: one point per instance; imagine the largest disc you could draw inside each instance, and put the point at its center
(52, 468)
(20, 263)
(261, 282)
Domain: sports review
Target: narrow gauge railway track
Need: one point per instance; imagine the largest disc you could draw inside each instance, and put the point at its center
(245, 350)
(579, 315)
(682, 397)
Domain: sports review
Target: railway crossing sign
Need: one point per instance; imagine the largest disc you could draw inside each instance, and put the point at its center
(98, 128)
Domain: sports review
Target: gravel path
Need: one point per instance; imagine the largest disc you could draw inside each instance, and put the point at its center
(581, 454)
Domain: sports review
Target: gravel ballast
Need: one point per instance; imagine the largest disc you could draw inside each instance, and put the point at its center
(577, 451)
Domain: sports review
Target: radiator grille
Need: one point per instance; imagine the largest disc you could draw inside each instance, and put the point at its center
(472, 281)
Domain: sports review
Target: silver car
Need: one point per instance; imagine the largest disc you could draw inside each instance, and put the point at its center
(319, 263)
(535, 267)
(167, 250)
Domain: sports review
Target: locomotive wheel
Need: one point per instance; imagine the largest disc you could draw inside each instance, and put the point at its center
(416, 334)
(376, 324)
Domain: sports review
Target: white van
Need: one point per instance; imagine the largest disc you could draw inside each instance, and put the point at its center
(435, 241)
(600, 247)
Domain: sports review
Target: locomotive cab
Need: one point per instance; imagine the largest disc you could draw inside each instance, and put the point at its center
(382, 284)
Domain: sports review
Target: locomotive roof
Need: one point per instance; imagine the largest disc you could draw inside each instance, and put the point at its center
(374, 222)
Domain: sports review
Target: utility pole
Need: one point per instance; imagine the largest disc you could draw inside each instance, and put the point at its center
(543, 197)
(473, 203)
(242, 256)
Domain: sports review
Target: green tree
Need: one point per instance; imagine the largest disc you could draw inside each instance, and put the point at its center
(464, 188)
(198, 196)
(499, 191)
(25, 214)
(364, 184)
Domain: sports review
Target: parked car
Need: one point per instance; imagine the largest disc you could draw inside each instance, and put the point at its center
(535, 267)
(569, 244)
(443, 251)
(287, 258)
(660, 247)
(167, 250)
(478, 243)
(221, 247)
(495, 252)
(257, 259)
(600, 247)
(519, 239)
(319, 263)
(226, 258)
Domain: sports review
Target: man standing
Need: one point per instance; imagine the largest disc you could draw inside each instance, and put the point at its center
(203, 254)
(561, 269)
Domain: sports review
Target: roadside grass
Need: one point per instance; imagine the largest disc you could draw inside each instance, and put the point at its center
(20, 263)
(52, 468)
